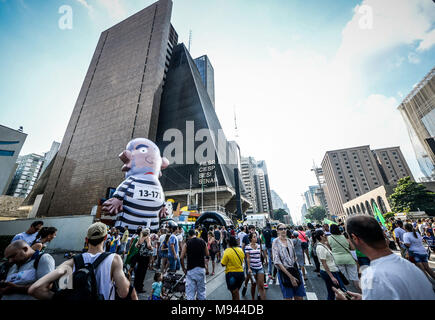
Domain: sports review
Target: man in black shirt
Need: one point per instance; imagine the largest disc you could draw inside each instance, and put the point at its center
(217, 236)
(267, 234)
(195, 250)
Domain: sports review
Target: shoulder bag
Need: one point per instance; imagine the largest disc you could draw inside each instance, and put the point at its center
(294, 271)
(342, 276)
(241, 262)
(348, 251)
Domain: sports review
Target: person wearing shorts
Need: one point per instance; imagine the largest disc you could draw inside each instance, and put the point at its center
(232, 260)
(284, 257)
(414, 242)
(255, 266)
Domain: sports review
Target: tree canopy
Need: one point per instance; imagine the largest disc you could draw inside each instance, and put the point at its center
(316, 214)
(412, 196)
(278, 214)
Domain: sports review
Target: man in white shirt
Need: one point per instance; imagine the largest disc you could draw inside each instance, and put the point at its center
(389, 277)
(241, 235)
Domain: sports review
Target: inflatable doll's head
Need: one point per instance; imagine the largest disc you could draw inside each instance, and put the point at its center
(141, 157)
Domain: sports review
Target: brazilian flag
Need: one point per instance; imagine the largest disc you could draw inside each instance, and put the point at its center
(329, 222)
(378, 214)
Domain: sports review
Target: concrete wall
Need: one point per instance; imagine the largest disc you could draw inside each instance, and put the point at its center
(70, 235)
(9, 207)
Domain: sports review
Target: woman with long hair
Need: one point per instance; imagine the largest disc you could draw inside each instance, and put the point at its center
(44, 236)
(414, 242)
(212, 249)
(255, 266)
(284, 258)
(328, 269)
(164, 250)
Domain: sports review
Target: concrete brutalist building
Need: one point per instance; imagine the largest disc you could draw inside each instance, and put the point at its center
(126, 94)
(119, 100)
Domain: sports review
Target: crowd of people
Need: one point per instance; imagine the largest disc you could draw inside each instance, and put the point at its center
(358, 252)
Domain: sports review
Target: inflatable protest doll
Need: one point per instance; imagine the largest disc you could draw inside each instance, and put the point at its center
(139, 200)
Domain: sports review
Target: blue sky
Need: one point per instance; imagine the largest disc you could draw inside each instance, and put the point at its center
(302, 74)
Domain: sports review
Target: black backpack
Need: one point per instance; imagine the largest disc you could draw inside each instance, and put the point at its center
(4, 268)
(84, 281)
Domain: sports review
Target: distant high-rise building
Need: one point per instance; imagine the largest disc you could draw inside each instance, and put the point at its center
(321, 191)
(418, 112)
(207, 75)
(304, 211)
(29, 167)
(248, 165)
(352, 172)
(312, 197)
(277, 202)
(49, 155)
(11, 142)
(264, 199)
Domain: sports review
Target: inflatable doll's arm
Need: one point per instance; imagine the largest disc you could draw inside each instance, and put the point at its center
(114, 205)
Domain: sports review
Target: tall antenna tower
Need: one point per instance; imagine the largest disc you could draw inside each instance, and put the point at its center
(236, 130)
(190, 39)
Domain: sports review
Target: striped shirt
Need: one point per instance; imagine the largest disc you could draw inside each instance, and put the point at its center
(255, 257)
(143, 198)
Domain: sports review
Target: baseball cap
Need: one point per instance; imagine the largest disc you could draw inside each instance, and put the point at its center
(97, 230)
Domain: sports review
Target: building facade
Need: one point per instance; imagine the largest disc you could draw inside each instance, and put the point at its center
(186, 111)
(392, 165)
(248, 165)
(28, 170)
(277, 202)
(207, 75)
(11, 142)
(49, 155)
(119, 100)
(350, 173)
(262, 186)
(418, 112)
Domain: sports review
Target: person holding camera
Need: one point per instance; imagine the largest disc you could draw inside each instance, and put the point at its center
(284, 258)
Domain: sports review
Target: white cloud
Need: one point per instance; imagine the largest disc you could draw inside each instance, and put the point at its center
(428, 41)
(115, 8)
(389, 20)
(295, 105)
(413, 58)
(90, 8)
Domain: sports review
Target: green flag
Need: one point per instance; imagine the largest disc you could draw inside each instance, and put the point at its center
(329, 222)
(378, 214)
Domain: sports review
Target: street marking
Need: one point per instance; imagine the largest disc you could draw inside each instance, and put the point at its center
(312, 296)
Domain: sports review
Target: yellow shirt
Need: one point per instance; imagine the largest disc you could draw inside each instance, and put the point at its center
(233, 262)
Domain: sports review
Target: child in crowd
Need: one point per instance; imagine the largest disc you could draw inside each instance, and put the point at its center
(157, 287)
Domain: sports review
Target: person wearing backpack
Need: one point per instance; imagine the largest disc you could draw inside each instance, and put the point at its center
(24, 267)
(96, 275)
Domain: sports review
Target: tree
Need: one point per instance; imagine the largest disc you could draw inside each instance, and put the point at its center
(279, 214)
(412, 196)
(388, 215)
(316, 214)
